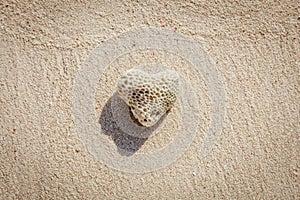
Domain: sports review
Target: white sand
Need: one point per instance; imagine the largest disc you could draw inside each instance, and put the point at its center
(256, 49)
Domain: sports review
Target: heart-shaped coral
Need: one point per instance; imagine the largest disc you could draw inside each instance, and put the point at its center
(149, 96)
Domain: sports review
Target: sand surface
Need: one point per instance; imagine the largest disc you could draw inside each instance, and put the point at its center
(255, 46)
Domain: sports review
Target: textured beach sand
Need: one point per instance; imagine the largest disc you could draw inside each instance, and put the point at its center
(255, 45)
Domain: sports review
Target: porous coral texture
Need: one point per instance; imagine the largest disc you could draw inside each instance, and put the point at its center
(149, 96)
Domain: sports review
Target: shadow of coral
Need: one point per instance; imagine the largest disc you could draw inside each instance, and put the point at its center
(117, 122)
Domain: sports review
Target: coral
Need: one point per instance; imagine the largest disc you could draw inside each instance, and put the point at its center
(149, 96)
